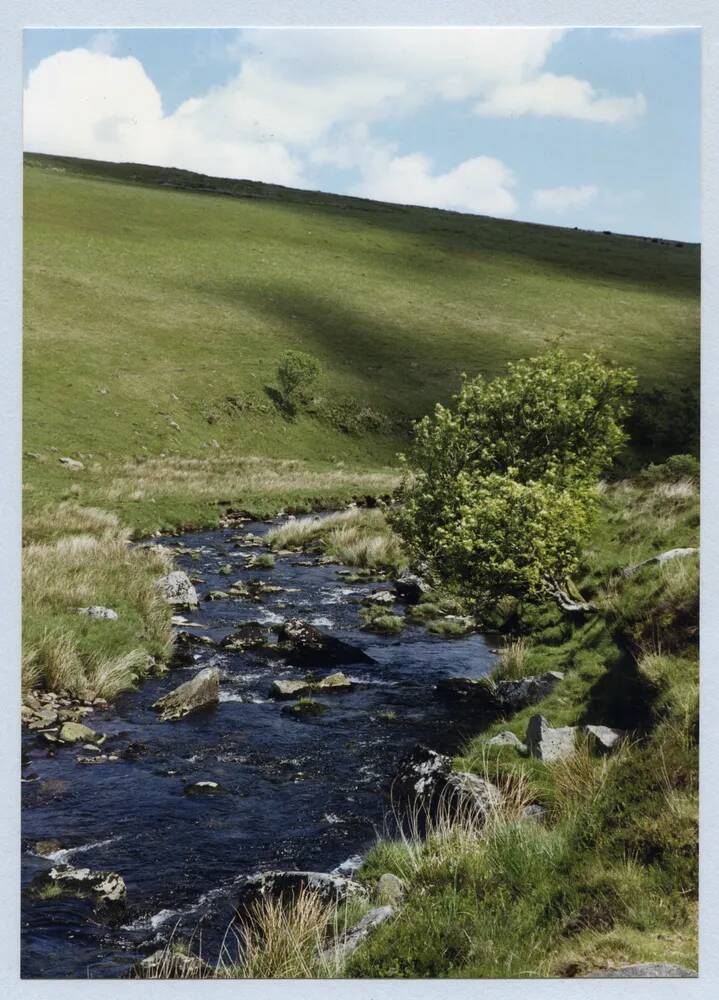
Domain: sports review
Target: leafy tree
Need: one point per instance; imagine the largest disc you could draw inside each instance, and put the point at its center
(297, 372)
(500, 488)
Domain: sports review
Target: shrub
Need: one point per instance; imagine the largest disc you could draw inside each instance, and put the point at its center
(502, 490)
(297, 372)
(675, 469)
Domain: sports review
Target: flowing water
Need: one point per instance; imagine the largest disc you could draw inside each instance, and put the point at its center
(303, 794)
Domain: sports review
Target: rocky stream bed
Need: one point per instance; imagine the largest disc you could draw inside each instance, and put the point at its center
(185, 809)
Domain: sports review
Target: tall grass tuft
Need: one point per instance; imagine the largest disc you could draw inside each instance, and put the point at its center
(83, 559)
(356, 537)
(512, 659)
(277, 939)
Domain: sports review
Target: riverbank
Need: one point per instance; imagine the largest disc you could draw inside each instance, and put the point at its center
(602, 872)
(607, 876)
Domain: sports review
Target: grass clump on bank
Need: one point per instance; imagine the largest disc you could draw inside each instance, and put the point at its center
(77, 557)
(357, 537)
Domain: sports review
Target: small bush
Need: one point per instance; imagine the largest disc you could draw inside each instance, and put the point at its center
(297, 372)
(676, 468)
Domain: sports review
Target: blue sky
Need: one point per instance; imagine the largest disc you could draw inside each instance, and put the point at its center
(598, 128)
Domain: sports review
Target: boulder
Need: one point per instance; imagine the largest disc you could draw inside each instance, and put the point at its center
(307, 646)
(549, 744)
(421, 777)
(217, 595)
(501, 696)
(288, 689)
(534, 812)
(167, 964)
(202, 788)
(249, 635)
(42, 718)
(603, 739)
(644, 970)
(349, 867)
(97, 611)
(71, 463)
(75, 732)
(343, 946)
(305, 709)
(465, 688)
(658, 560)
(472, 795)
(506, 739)
(106, 889)
(285, 886)
(409, 587)
(45, 848)
(177, 589)
(390, 890)
(381, 597)
(515, 695)
(186, 643)
(200, 692)
(334, 682)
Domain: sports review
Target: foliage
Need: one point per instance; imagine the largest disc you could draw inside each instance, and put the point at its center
(502, 493)
(675, 469)
(297, 373)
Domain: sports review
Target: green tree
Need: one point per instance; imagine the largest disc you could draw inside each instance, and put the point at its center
(297, 372)
(500, 487)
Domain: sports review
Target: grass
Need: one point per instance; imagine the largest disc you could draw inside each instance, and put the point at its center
(512, 659)
(610, 876)
(155, 319)
(357, 537)
(76, 557)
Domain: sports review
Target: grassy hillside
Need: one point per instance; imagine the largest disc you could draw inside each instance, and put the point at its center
(154, 319)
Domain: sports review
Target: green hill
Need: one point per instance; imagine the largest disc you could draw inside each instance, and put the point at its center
(156, 309)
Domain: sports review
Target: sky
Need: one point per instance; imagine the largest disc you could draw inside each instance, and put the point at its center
(591, 127)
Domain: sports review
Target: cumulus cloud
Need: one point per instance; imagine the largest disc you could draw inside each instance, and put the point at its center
(560, 96)
(560, 199)
(482, 184)
(301, 99)
(89, 104)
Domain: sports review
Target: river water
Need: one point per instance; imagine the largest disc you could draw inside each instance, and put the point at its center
(297, 794)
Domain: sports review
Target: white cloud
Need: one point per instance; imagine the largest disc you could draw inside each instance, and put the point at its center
(306, 98)
(83, 103)
(560, 96)
(560, 199)
(482, 184)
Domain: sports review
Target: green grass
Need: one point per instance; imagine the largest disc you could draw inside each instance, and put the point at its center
(147, 307)
(610, 877)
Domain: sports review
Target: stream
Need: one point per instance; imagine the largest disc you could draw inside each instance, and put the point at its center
(306, 793)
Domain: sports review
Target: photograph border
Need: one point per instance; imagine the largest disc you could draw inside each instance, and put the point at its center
(14, 16)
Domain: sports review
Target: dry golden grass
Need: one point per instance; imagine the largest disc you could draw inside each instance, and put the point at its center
(357, 536)
(229, 477)
(281, 940)
(88, 561)
(513, 659)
